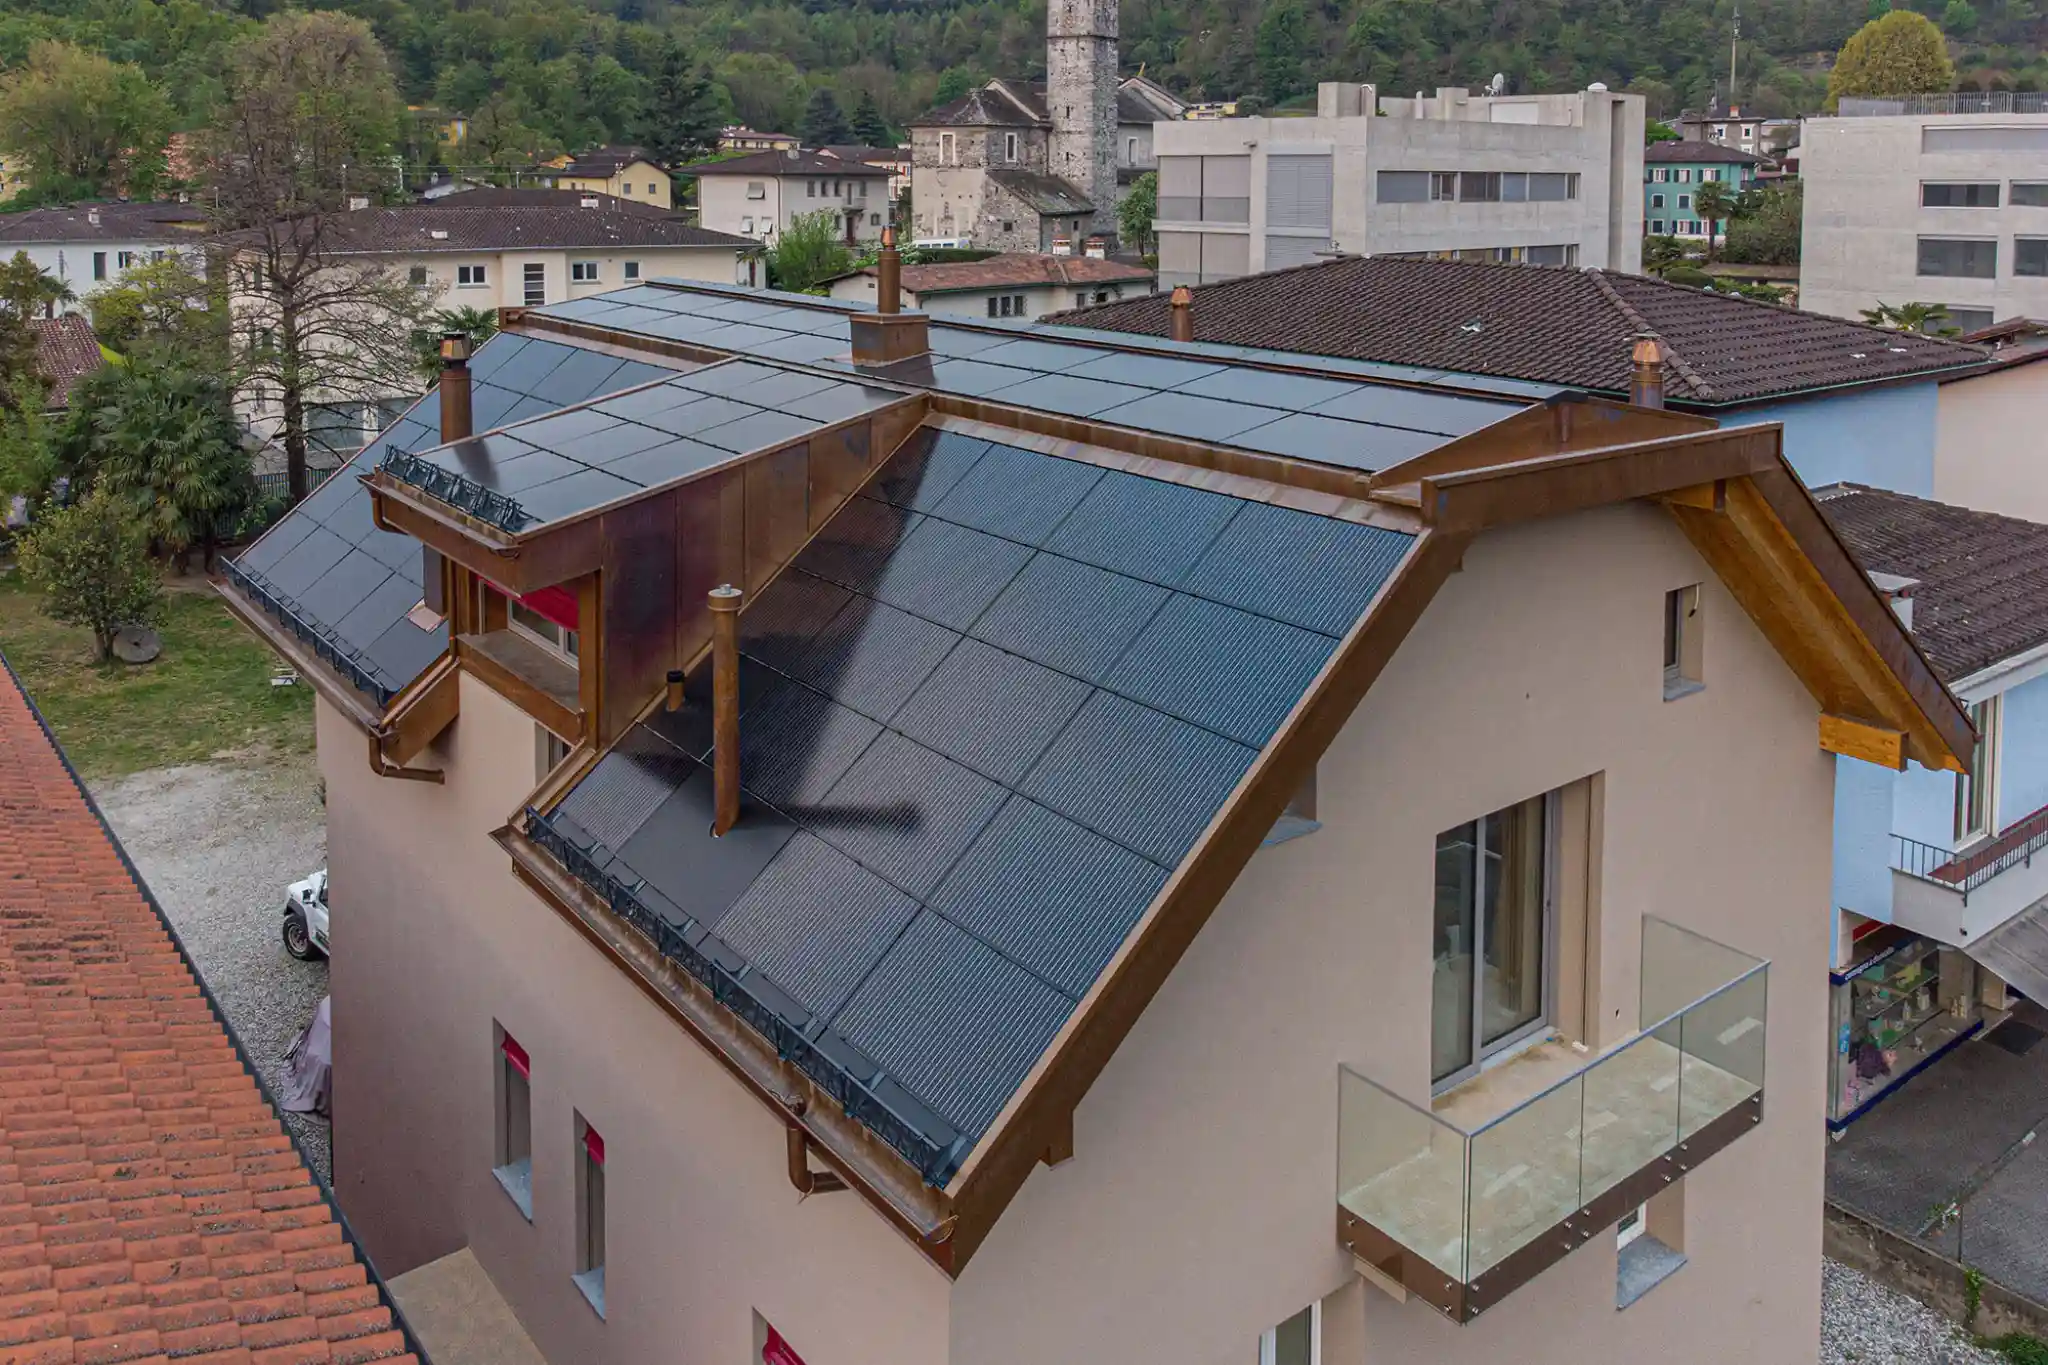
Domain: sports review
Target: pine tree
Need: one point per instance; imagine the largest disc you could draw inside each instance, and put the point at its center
(824, 124)
(870, 129)
(683, 112)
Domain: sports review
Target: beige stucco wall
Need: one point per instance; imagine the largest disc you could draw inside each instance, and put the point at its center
(973, 303)
(433, 941)
(1199, 1207)
(641, 181)
(1987, 443)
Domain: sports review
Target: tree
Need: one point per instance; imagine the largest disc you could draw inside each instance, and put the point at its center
(954, 82)
(1902, 53)
(311, 115)
(1660, 253)
(29, 290)
(1134, 214)
(81, 120)
(165, 303)
(1767, 229)
(1715, 205)
(824, 124)
(870, 129)
(1282, 45)
(811, 250)
(28, 456)
(1928, 318)
(478, 324)
(499, 134)
(684, 114)
(1959, 17)
(91, 563)
(162, 437)
(1656, 131)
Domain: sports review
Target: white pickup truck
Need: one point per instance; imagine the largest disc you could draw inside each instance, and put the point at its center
(305, 917)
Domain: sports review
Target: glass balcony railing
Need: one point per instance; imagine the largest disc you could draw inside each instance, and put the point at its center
(1463, 1216)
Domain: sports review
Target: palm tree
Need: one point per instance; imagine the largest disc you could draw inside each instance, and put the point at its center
(478, 324)
(1715, 205)
(30, 290)
(1929, 319)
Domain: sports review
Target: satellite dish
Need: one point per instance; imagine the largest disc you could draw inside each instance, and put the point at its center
(1499, 84)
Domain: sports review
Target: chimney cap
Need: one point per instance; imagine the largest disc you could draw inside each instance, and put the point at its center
(454, 348)
(1648, 349)
(724, 597)
(1181, 296)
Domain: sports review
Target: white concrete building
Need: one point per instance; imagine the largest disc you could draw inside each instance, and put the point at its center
(93, 244)
(1546, 179)
(1022, 285)
(1909, 203)
(760, 195)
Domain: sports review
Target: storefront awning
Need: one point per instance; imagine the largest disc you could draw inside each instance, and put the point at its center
(2017, 951)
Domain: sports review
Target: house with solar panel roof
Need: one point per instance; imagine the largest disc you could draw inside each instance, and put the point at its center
(865, 837)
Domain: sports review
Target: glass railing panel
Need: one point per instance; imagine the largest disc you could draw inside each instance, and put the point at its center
(1680, 968)
(1525, 1174)
(1402, 1170)
(1722, 1040)
(1632, 1109)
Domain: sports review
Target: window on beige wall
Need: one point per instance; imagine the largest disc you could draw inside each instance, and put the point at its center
(1977, 790)
(1297, 1341)
(590, 1238)
(1683, 643)
(1491, 984)
(512, 1159)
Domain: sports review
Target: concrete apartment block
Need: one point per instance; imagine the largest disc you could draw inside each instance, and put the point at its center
(1927, 208)
(1542, 179)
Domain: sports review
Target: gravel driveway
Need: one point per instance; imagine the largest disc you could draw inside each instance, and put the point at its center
(1873, 1324)
(218, 843)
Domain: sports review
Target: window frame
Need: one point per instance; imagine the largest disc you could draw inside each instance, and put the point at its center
(584, 272)
(1997, 189)
(512, 1138)
(564, 643)
(534, 280)
(632, 270)
(1920, 260)
(1976, 811)
(590, 1214)
(472, 276)
(1684, 643)
(2020, 257)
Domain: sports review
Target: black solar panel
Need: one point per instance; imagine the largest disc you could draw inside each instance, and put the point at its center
(1069, 616)
(1142, 527)
(1310, 571)
(1224, 669)
(815, 921)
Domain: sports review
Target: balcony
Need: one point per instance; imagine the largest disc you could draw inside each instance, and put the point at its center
(1959, 897)
(1462, 1216)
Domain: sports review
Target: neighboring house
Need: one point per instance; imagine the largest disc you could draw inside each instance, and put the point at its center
(894, 160)
(1939, 904)
(1143, 826)
(1857, 403)
(1547, 179)
(1742, 132)
(739, 139)
(1909, 203)
(1009, 286)
(158, 1206)
(623, 172)
(88, 245)
(66, 352)
(514, 252)
(1021, 165)
(1673, 173)
(468, 196)
(1986, 419)
(759, 195)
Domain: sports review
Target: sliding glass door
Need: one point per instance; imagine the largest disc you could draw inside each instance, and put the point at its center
(1491, 938)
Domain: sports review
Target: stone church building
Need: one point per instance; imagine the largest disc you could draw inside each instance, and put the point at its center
(1039, 165)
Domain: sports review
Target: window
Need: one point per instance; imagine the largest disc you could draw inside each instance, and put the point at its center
(948, 155)
(2031, 194)
(1297, 1341)
(1009, 146)
(1566, 254)
(651, 192)
(1682, 642)
(1965, 195)
(1977, 792)
(1685, 201)
(1969, 320)
(1492, 926)
(1969, 258)
(1479, 187)
(992, 305)
(513, 1156)
(1660, 174)
(874, 220)
(583, 272)
(1080, 298)
(1683, 175)
(757, 189)
(549, 749)
(1443, 185)
(1130, 151)
(1657, 226)
(471, 275)
(534, 626)
(536, 285)
(632, 270)
(1009, 226)
(1102, 296)
(416, 276)
(1720, 130)
(1656, 201)
(2030, 255)
(1551, 187)
(1404, 187)
(589, 1275)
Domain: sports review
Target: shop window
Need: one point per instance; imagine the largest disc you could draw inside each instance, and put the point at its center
(512, 1161)
(1682, 631)
(1900, 1005)
(1492, 930)
(1297, 1341)
(1977, 790)
(589, 1276)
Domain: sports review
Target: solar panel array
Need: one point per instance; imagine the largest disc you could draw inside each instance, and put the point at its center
(985, 714)
(1205, 394)
(548, 468)
(343, 585)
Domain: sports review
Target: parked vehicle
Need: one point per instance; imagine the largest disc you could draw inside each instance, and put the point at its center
(305, 917)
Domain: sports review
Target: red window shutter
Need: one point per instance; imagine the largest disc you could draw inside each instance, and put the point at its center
(776, 1351)
(516, 1055)
(593, 1144)
(556, 604)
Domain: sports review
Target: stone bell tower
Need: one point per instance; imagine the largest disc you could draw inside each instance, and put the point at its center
(1080, 94)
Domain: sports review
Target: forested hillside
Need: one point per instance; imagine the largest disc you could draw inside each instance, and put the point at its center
(560, 75)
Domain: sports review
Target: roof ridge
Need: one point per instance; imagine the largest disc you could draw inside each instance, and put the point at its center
(1701, 388)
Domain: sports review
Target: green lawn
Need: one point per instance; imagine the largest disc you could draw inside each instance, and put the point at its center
(208, 693)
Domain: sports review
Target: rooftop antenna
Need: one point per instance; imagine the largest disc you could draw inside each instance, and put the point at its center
(1498, 85)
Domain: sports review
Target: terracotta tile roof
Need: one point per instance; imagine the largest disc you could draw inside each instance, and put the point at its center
(1556, 325)
(1695, 153)
(794, 162)
(66, 352)
(1015, 269)
(1983, 578)
(151, 1205)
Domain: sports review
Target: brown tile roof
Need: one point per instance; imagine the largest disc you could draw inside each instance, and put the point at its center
(112, 221)
(899, 156)
(794, 162)
(151, 1205)
(1694, 153)
(1016, 269)
(1047, 194)
(66, 352)
(1549, 324)
(420, 229)
(1010, 103)
(606, 162)
(1983, 593)
(494, 197)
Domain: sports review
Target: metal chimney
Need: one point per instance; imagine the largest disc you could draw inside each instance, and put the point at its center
(1181, 313)
(725, 708)
(1646, 379)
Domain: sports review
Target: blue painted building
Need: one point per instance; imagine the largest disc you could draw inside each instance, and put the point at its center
(1672, 175)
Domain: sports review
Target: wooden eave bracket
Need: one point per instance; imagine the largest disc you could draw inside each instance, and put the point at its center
(1851, 738)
